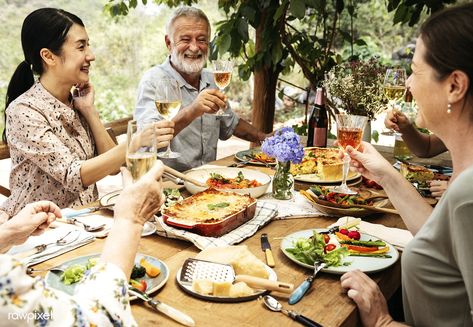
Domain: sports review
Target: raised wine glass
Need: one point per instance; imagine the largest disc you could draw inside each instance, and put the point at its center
(394, 87)
(349, 132)
(168, 102)
(222, 77)
(141, 148)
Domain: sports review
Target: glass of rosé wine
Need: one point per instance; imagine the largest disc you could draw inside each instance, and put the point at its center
(222, 76)
(349, 132)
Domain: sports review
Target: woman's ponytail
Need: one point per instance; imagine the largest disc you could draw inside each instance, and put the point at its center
(20, 82)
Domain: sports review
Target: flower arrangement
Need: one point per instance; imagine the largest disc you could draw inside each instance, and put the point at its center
(357, 87)
(284, 146)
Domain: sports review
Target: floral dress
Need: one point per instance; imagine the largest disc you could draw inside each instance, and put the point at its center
(101, 299)
(48, 142)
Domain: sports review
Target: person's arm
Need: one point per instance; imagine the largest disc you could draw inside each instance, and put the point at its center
(248, 132)
(421, 144)
(32, 136)
(412, 208)
(33, 219)
(136, 204)
(85, 105)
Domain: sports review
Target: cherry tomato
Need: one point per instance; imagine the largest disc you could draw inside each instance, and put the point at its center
(354, 234)
(140, 285)
(343, 231)
(326, 238)
(329, 247)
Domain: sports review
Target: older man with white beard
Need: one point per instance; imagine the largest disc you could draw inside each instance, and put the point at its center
(197, 128)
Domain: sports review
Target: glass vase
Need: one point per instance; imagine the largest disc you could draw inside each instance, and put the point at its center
(283, 181)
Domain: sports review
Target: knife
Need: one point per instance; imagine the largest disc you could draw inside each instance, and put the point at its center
(169, 311)
(266, 247)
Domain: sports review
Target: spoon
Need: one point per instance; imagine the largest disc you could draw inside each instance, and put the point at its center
(274, 305)
(74, 221)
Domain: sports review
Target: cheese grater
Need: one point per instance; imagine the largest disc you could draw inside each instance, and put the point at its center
(196, 269)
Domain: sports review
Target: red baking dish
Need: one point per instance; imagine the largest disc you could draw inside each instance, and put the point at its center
(245, 207)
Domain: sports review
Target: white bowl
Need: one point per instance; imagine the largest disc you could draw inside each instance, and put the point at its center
(202, 175)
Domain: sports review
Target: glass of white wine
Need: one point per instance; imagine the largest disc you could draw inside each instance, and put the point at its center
(394, 88)
(141, 148)
(168, 102)
(222, 77)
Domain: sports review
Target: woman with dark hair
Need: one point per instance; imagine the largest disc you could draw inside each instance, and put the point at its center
(58, 145)
(437, 265)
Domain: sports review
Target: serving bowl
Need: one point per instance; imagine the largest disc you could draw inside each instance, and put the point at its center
(202, 175)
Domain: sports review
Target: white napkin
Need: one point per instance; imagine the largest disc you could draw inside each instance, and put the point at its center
(75, 239)
(297, 207)
(396, 236)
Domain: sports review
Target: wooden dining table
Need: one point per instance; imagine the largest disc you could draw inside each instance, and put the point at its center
(326, 303)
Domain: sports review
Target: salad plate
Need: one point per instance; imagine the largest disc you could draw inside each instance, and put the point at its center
(54, 279)
(365, 264)
(248, 155)
(189, 290)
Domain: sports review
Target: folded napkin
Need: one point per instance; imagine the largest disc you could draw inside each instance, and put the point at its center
(75, 239)
(91, 219)
(264, 213)
(396, 236)
(297, 207)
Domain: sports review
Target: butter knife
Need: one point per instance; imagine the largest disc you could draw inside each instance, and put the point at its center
(266, 247)
(169, 311)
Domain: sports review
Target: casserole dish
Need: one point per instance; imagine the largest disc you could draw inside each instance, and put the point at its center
(211, 212)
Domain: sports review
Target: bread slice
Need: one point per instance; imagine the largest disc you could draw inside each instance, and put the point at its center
(415, 173)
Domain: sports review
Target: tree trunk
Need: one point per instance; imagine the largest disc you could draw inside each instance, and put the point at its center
(264, 91)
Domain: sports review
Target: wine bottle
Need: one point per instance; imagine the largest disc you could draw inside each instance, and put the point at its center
(318, 122)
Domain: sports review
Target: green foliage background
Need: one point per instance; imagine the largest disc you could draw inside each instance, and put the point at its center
(126, 46)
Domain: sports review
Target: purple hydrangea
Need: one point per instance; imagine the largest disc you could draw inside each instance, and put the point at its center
(284, 145)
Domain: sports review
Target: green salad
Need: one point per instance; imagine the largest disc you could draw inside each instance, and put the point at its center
(74, 273)
(309, 250)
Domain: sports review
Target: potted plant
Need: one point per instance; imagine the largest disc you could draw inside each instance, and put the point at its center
(355, 87)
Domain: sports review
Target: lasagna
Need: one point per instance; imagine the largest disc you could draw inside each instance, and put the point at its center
(209, 206)
(415, 173)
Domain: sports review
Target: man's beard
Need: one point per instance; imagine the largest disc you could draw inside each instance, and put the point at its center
(194, 67)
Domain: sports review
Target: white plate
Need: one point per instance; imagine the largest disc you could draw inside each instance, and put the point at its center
(149, 228)
(314, 178)
(365, 264)
(188, 289)
(202, 175)
(54, 279)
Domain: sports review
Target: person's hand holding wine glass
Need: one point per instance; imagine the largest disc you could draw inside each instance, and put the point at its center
(141, 148)
(168, 102)
(222, 77)
(394, 89)
(349, 133)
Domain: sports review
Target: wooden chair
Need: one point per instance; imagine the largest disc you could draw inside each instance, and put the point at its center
(4, 154)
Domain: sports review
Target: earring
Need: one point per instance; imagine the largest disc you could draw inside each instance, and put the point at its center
(449, 109)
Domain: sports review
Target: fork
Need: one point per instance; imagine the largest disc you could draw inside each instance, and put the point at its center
(300, 291)
(41, 247)
(87, 227)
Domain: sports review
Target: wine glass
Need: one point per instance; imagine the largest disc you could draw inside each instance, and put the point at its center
(394, 87)
(168, 102)
(349, 132)
(141, 148)
(222, 76)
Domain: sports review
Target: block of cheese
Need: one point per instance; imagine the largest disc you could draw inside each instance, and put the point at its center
(203, 286)
(239, 257)
(221, 288)
(240, 289)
